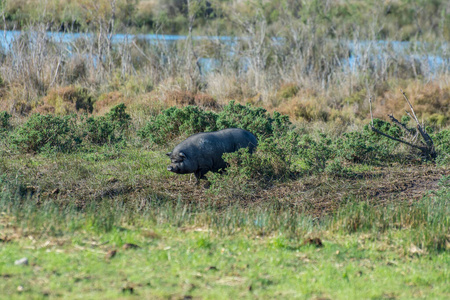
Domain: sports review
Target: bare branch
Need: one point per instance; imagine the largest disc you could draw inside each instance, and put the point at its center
(422, 131)
(370, 106)
(410, 106)
(400, 124)
(192, 11)
(427, 148)
(396, 139)
(425, 136)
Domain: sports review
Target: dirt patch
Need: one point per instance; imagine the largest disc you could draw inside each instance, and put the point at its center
(320, 195)
(316, 195)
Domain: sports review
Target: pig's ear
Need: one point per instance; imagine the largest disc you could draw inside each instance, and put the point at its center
(169, 154)
(182, 155)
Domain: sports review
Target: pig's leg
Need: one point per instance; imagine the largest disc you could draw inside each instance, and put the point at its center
(200, 174)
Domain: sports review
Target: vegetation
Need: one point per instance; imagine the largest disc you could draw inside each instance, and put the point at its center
(311, 61)
(173, 16)
(326, 203)
(201, 260)
(300, 202)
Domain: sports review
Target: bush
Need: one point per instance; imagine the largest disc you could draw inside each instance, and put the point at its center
(388, 128)
(368, 147)
(315, 153)
(357, 147)
(335, 168)
(442, 145)
(246, 172)
(109, 128)
(4, 121)
(65, 134)
(174, 122)
(47, 133)
(254, 119)
(270, 161)
(100, 130)
(118, 115)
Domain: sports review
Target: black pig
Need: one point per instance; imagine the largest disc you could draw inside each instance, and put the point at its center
(202, 152)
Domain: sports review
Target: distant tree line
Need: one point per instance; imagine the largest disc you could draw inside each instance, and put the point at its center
(399, 20)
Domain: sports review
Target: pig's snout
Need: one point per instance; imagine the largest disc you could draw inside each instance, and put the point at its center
(173, 168)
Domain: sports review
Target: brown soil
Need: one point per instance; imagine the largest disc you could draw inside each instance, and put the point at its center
(320, 195)
(316, 195)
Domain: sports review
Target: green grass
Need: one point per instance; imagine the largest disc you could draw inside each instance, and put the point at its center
(369, 252)
(385, 227)
(191, 261)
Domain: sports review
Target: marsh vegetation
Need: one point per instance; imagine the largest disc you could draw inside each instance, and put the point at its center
(324, 208)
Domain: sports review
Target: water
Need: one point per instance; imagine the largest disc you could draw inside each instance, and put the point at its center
(9, 36)
(430, 57)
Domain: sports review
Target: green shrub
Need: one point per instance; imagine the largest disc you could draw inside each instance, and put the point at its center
(315, 153)
(388, 128)
(367, 146)
(254, 119)
(270, 161)
(4, 121)
(246, 171)
(174, 122)
(100, 130)
(357, 147)
(118, 116)
(47, 133)
(442, 144)
(65, 134)
(109, 128)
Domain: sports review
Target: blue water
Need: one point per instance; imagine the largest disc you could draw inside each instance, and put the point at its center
(406, 50)
(433, 62)
(9, 36)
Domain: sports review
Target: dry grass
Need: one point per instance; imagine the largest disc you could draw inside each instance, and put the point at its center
(67, 100)
(307, 85)
(306, 106)
(45, 109)
(224, 87)
(428, 99)
(106, 101)
(184, 98)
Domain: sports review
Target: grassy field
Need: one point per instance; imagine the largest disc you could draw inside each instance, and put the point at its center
(198, 262)
(111, 222)
(325, 208)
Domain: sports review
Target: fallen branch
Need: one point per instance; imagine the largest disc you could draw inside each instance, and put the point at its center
(396, 139)
(427, 148)
(422, 131)
(401, 125)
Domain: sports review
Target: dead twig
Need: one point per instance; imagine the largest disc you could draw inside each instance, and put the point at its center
(427, 149)
(401, 125)
(422, 131)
